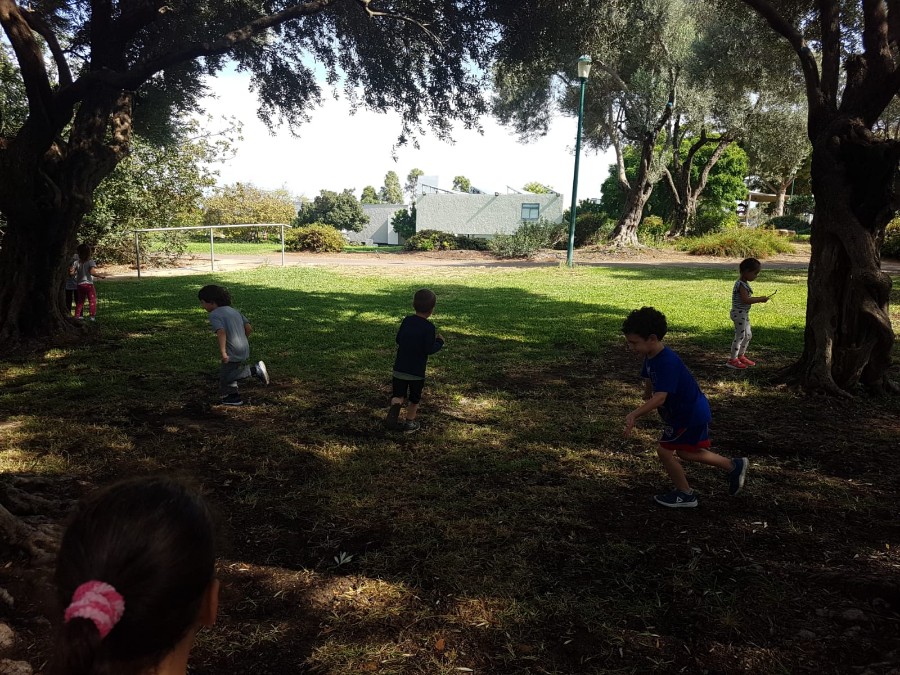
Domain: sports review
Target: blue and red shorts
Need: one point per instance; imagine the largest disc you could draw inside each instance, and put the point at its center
(690, 439)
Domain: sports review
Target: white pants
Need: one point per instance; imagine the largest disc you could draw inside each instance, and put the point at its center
(742, 332)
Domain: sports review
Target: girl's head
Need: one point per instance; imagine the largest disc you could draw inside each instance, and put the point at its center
(135, 573)
(84, 252)
(750, 268)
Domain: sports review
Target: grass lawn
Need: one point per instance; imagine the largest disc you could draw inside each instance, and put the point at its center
(515, 532)
(200, 246)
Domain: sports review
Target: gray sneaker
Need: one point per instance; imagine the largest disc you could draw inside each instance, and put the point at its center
(262, 374)
(232, 399)
(391, 420)
(409, 426)
(737, 475)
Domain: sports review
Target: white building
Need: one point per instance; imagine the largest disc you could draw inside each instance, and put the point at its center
(379, 230)
(482, 216)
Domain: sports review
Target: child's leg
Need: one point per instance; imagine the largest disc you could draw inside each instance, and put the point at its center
(704, 456)
(229, 374)
(741, 323)
(415, 395)
(81, 294)
(92, 299)
(748, 335)
(673, 468)
(70, 299)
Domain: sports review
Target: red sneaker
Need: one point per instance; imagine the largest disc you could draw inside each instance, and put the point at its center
(747, 362)
(737, 364)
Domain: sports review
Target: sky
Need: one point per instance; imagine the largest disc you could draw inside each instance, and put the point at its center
(337, 150)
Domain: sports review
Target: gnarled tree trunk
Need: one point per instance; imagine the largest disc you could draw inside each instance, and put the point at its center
(848, 337)
(625, 232)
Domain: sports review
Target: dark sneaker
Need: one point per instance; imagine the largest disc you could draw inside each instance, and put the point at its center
(737, 475)
(262, 374)
(677, 499)
(232, 399)
(409, 426)
(391, 420)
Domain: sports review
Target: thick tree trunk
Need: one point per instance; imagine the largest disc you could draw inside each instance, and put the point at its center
(685, 215)
(625, 232)
(848, 336)
(780, 199)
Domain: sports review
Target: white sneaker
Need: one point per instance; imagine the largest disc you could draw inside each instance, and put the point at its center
(262, 373)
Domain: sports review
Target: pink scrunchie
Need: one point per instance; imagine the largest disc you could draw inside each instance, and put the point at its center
(99, 602)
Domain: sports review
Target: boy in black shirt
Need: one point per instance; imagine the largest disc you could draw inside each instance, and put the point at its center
(416, 340)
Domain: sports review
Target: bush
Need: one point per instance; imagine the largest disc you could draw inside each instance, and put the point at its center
(711, 220)
(652, 230)
(318, 238)
(795, 223)
(737, 243)
(528, 239)
(404, 222)
(891, 246)
(431, 240)
(465, 243)
(592, 227)
(799, 205)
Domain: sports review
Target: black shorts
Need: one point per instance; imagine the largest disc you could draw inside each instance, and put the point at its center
(413, 387)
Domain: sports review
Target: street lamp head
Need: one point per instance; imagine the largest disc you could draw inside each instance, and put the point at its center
(584, 67)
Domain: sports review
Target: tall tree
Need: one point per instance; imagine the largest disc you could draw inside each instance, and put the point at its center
(537, 188)
(369, 195)
(412, 181)
(462, 184)
(244, 204)
(126, 66)
(391, 192)
(341, 210)
(848, 53)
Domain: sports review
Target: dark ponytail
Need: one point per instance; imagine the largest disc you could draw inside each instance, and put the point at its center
(152, 540)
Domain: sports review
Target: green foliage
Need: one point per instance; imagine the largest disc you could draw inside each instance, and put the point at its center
(592, 227)
(404, 222)
(891, 246)
(369, 195)
(799, 225)
(537, 188)
(317, 238)
(13, 100)
(737, 243)
(462, 184)
(714, 219)
(800, 205)
(465, 243)
(528, 239)
(244, 203)
(155, 186)
(431, 240)
(391, 192)
(412, 180)
(340, 210)
(652, 230)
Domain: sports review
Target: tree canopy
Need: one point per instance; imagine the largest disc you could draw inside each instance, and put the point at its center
(391, 191)
(462, 184)
(340, 210)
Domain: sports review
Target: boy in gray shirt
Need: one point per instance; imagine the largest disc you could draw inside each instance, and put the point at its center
(232, 330)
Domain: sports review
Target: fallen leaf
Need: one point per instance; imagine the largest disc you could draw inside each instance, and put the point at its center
(439, 645)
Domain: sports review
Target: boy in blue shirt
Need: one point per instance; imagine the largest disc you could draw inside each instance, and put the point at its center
(232, 330)
(670, 388)
(417, 339)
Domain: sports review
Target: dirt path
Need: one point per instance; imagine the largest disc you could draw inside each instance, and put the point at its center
(475, 259)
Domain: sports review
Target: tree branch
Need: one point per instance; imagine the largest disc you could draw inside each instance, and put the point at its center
(724, 142)
(367, 6)
(38, 25)
(830, 28)
(671, 184)
(807, 61)
(30, 59)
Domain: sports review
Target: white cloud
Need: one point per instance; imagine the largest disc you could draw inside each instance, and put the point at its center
(337, 150)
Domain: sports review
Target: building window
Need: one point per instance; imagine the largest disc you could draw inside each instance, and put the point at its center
(531, 211)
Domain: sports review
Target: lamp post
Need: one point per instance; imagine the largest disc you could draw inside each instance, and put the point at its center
(584, 68)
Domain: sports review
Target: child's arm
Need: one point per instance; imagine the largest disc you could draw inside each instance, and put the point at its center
(248, 329)
(654, 402)
(747, 299)
(648, 388)
(220, 334)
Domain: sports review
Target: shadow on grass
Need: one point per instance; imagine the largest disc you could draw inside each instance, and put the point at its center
(516, 529)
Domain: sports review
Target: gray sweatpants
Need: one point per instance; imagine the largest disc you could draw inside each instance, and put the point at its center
(742, 332)
(229, 374)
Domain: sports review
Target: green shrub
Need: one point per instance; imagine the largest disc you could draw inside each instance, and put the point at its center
(737, 243)
(465, 243)
(711, 220)
(528, 239)
(404, 222)
(799, 205)
(795, 223)
(592, 227)
(891, 246)
(652, 230)
(318, 238)
(431, 240)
